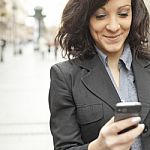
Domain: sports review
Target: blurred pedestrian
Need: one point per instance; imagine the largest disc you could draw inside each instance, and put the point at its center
(56, 46)
(2, 47)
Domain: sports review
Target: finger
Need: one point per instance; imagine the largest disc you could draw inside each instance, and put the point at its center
(104, 129)
(110, 121)
(125, 140)
(121, 147)
(131, 134)
(118, 126)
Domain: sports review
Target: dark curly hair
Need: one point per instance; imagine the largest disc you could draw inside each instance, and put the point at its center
(74, 36)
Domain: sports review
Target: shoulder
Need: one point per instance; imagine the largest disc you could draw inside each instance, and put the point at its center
(65, 73)
(144, 61)
(75, 68)
(66, 66)
(67, 70)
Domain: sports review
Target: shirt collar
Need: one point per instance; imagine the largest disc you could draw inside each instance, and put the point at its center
(126, 57)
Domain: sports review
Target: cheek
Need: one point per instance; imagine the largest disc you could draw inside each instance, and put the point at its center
(96, 26)
(95, 35)
(93, 32)
(96, 31)
(126, 25)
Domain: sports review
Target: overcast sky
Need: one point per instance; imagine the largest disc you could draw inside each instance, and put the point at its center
(51, 8)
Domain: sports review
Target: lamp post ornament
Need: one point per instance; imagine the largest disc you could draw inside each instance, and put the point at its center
(39, 17)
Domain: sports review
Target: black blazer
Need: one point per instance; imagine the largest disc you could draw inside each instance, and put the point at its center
(82, 99)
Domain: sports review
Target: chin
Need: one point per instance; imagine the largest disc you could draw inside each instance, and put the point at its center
(113, 51)
(114, 48)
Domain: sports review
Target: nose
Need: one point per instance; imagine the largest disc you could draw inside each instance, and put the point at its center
(113, 25)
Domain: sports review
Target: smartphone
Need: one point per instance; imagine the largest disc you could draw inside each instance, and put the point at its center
(126, 110)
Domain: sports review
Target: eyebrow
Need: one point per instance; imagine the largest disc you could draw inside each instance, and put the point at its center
(124, 6)
(128, 5)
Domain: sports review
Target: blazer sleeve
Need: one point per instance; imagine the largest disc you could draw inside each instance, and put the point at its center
(63, 124)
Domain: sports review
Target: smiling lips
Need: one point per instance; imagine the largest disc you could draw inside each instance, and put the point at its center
(113, 38)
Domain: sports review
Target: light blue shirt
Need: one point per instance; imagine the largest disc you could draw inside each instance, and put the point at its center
(126, 89)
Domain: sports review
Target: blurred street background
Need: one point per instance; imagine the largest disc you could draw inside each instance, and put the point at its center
(27, 51)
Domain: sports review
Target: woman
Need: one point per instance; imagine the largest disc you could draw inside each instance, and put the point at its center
(106, 42)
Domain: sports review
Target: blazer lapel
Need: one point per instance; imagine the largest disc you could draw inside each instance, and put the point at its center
(142, 82)
(99, 83)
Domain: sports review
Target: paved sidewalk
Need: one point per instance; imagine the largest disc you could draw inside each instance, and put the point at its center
(24, 112)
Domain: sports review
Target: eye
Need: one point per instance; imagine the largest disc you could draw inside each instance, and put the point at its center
(100, 16)
(124, 14)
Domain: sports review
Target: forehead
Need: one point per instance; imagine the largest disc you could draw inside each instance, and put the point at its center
(117, 3)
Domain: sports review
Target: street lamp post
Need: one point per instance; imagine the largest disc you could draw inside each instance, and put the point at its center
(39, 17)
(3, 28)
(14, 8)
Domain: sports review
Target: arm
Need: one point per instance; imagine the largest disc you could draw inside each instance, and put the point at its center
(63, 123)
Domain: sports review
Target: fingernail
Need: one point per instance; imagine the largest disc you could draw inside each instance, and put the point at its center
(136, 119)
(142, 125)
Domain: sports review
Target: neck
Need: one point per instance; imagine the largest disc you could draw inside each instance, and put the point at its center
(113, 59)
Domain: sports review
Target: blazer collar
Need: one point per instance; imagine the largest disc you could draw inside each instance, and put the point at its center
(142, 80)
(99, 83)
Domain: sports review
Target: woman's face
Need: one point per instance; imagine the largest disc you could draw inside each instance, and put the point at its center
(110, 25)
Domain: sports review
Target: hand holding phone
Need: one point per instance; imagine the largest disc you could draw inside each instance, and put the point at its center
(126, 110)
